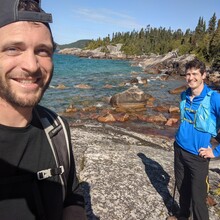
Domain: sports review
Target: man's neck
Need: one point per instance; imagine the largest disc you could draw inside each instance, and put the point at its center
(197, 91)
(14, 116)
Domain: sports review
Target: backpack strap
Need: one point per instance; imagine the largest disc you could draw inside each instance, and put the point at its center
(57, 135)
(206, 100)
(182, 105)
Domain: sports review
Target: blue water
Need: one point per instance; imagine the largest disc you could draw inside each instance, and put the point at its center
(71, 71)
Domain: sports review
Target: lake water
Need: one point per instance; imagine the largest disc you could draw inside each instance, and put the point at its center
(71, 71)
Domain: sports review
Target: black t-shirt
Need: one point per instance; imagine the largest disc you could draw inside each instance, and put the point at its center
(24, 152)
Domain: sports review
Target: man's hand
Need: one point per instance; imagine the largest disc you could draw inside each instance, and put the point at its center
(206, 152)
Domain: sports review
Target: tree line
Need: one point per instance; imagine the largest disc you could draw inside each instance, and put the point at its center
(204, 41)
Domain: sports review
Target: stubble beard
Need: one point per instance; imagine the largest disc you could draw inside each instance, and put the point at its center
(10, 96)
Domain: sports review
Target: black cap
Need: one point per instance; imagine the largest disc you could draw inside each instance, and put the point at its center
(9, 13)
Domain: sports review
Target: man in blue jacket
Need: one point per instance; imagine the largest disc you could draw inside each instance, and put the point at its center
(200, 113)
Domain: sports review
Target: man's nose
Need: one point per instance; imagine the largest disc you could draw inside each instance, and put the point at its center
(30, 62)
(189, 76)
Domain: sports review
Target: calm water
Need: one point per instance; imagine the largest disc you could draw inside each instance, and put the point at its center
(71, 71)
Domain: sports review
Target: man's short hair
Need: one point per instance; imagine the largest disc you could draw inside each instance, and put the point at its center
(22, 10)
(196, 64)
(32, 5)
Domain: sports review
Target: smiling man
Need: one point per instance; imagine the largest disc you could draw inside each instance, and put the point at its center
(26, 51)
(200, 113)
(37, 171)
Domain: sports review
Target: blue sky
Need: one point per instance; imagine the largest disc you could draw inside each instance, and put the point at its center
(89, 19)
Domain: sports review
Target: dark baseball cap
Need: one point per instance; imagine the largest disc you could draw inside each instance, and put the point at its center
(9, 13)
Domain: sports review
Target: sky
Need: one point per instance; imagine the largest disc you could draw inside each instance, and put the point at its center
(75, 20)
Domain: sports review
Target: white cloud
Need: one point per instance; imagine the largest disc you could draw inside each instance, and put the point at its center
(108, 17)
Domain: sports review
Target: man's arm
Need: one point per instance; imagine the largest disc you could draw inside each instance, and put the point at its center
(209, 152)
(74, 213)
(215, 100)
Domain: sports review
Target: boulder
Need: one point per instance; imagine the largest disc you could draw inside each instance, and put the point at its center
(121, 117)
(169, 63)
(153, 118)
(178, 90)
(111, 52)
(130, 107)
(89, 109)
(82, 86)
(108, 86)
(171, 121)
(71, 109)
(174, 109)
(106, 118)
(161, 108)
(61, 86)
(71, 51)
(133, 95)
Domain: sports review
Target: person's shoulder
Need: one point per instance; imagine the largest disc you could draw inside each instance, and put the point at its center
(49, 114)
(215, 98)
(43, 109)
(185, 93)
(216, 94)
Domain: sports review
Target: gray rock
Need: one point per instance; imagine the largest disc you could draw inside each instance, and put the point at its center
(131, 95)
(127, 175)
(113, 52)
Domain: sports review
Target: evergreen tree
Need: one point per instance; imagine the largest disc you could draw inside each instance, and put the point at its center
(215, 48)
(204, 43)
(212, 25)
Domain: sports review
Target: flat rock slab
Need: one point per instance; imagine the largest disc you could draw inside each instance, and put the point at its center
(127, 175)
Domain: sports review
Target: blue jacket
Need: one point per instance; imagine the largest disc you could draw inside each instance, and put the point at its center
(202, 119)
(187, 136)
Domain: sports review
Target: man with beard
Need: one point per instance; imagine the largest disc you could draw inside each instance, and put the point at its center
(31, 182)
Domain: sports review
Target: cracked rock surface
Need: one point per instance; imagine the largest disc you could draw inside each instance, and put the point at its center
(127, 175)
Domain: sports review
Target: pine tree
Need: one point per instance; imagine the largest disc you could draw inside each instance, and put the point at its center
(215, 48)
(212, 25)
(204, 43)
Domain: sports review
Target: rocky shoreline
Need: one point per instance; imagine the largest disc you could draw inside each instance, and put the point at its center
(128, 175)
(127, 171)
(169, 64)
(134, 104)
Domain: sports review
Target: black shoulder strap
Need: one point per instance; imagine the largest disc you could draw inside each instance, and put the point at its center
(57, 136)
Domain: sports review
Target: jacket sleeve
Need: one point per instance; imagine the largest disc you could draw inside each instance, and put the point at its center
(215, 102)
